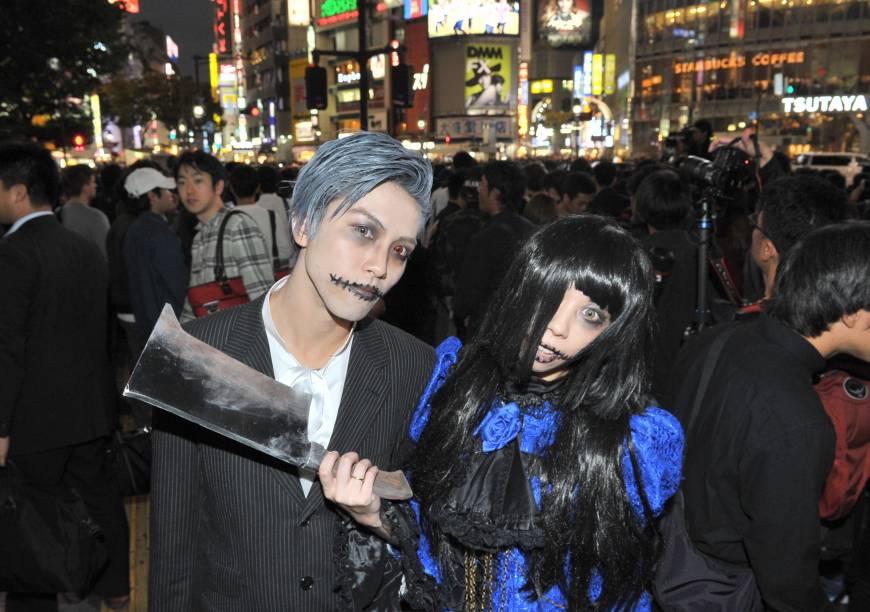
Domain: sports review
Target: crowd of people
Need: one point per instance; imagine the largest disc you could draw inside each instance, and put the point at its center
(577, 402)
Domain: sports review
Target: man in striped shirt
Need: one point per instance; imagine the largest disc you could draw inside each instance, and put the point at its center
(200, 178)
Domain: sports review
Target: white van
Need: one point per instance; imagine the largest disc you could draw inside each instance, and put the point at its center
(847, 164)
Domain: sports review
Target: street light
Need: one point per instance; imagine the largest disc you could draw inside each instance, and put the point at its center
(577, 109)
(198, 111)
(421, 126)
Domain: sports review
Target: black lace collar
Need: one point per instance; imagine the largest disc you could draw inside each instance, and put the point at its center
(534, 392)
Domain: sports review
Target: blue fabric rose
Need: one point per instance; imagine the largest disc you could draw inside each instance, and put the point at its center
(539, 431)
(499, 427)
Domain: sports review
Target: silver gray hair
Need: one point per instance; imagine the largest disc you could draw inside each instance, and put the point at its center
(352, 167)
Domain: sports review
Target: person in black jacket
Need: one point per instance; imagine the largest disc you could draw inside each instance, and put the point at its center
(762, 445)
(152, 252)
(607, 201)
(664, 205)
(491, 250)
(450, 240)
(55, 391)
(119, 290)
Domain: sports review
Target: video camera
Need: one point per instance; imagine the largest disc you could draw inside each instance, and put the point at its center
(727, 171)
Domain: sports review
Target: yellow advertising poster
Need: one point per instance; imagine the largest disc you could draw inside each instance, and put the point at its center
(487, 78)
(597, 74)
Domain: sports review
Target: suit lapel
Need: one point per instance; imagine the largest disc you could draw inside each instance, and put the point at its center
(361, 400)
(248, 343)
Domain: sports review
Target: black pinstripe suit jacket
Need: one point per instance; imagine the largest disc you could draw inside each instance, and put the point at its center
(231, 529)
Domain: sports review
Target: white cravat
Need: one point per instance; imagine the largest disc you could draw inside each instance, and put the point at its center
(325, 385)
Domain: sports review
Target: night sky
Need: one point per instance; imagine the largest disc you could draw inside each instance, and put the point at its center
(188, 22)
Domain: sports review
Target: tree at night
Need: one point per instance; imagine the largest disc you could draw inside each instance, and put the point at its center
(52, 55)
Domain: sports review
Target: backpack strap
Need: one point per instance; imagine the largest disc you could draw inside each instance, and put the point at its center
(274, 240)
(707, 373)
(220, 274)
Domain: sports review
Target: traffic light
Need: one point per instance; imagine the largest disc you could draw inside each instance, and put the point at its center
(78, 141)
(402, 85)
(394, 54)
(251, 110)
(315, 87)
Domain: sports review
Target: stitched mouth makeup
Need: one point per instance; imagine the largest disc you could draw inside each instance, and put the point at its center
(548, 354)
(366, 293)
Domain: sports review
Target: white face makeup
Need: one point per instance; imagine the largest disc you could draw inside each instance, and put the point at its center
(356, 257)
(577, 322)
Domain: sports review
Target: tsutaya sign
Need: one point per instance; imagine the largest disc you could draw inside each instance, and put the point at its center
(825, 104)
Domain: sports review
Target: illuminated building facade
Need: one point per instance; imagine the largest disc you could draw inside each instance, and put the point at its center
(800, 68)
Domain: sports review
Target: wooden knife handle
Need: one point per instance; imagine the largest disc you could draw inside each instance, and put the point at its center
(389, 485)
(392, 485)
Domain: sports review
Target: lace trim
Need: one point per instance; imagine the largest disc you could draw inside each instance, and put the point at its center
(480, 532)
(420, 590)
(344, 575)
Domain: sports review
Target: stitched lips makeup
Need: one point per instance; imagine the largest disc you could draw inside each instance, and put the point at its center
(366, 293)
(549, 354)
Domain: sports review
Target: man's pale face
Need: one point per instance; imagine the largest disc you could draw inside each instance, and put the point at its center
(356, 257)
(196, 191)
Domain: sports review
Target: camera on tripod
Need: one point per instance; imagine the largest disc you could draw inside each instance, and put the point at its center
(726, 172)
(720, 179)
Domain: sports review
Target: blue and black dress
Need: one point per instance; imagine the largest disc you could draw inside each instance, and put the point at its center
(492, 517)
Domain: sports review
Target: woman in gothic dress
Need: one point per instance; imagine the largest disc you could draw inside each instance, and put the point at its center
(540, 460)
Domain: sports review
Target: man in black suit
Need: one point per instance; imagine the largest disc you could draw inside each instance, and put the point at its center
(233, 529)
(55, 394)
(492, 249)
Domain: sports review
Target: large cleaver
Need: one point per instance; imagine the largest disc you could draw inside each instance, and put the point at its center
(187, 377)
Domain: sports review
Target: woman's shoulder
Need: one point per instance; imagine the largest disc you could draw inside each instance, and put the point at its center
(449, 347)
(655, 428)
(446, 355)
(657, 438)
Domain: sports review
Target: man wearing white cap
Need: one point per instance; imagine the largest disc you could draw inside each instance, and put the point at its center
(152, 251)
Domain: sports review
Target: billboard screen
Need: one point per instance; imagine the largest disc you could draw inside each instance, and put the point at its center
(460, 17)
(487, 78)
(565, 22)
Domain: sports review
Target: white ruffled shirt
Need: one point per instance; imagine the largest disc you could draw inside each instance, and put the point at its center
(326, 384)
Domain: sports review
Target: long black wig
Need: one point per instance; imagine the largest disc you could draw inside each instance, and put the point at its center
(585, 508)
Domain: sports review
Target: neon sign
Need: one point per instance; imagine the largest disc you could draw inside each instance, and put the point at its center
(221, 19)
(735, 60)
(825, 104)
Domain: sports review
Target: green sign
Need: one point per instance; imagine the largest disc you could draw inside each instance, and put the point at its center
(331, 8)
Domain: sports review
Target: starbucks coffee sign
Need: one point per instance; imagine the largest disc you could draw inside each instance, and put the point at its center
(825, 104)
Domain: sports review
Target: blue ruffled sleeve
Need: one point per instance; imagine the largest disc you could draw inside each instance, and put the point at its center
(445, 357)
(658, 443)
